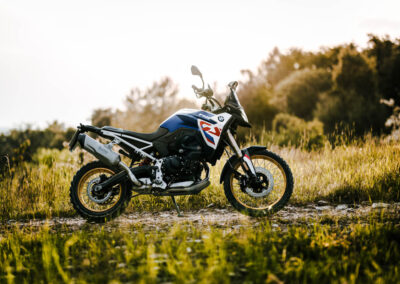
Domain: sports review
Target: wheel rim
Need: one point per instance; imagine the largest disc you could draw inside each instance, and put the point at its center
(273, 197)
(83, 191)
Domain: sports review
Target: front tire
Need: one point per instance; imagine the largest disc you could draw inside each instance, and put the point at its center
(278, 185)
(98, 208)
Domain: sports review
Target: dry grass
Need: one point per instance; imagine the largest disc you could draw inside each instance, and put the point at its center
(312, 251)
(364, 171)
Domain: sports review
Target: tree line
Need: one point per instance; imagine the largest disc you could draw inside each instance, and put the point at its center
(290, 93)
(340, 86)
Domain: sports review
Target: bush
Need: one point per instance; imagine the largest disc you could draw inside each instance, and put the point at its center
(354, 99)
(299, 92)
(291, 130)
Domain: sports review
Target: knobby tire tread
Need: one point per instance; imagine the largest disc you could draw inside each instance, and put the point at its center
(262, 212)
(98, 217)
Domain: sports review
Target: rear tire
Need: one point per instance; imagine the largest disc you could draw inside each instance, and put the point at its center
(237, 197)
(89, 209)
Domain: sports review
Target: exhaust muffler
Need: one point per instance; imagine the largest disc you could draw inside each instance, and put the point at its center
(105, 154)
(100, 151)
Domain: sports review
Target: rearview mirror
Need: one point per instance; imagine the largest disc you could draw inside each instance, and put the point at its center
(196, 71)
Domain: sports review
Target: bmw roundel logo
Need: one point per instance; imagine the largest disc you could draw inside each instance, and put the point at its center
(221, 118)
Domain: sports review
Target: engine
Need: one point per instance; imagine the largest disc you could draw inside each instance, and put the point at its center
(183, 164)
(179, 168)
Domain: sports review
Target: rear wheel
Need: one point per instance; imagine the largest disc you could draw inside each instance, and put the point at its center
(269, 194)
(98, 206)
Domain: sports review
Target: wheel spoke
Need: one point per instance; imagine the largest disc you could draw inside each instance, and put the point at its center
(279, 179)
(84, 191)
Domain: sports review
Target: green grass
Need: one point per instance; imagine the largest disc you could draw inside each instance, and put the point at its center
(308, 253)
(326, 249)
(347, 174)
(364, 171)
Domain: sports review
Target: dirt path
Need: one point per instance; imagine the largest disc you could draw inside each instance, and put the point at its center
(228, 218)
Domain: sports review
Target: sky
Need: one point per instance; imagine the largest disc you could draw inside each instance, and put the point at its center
(60, 60)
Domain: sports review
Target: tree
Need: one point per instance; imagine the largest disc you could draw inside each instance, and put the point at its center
(21, 144)
(255, 95)
(146, 109)
(102, 117)
(387, 58)
(278, 66)
(354, 100)
(299, 92)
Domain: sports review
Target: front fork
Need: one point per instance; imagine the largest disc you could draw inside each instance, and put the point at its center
(245, 161)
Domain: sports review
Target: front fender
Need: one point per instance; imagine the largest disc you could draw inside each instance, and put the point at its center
(251, 149)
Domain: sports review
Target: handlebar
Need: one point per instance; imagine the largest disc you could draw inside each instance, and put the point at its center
(210, 104)
(215, 105)
(208, 93)
(195, 89)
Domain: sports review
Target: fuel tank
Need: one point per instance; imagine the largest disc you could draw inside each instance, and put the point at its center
(186, 118)
(208, 124)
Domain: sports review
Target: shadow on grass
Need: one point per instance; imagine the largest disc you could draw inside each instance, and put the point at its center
(40, 216)
(386, 188)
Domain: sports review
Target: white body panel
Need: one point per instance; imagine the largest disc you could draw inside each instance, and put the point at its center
(212, 132)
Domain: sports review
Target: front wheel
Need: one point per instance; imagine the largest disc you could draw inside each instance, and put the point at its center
(98, 206)
(274, 185)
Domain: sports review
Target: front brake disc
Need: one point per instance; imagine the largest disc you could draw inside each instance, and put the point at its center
(265, 191)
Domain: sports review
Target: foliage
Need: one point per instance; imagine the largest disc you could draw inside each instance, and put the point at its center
(309, 253)
(353, 99)
(393, 121)
(278, 65)
(255, 97)
(386, 54)
(144, 109)
(341, 86)
(102, 117)
(20, 145)
(362, 171)
(299, 92)
(291, 130)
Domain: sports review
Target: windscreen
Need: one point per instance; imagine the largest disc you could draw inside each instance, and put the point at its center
(232, 101)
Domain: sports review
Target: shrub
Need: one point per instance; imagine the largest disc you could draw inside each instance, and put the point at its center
(291, 130)
(299, 92)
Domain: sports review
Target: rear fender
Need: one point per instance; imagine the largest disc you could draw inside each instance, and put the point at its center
(227, 167)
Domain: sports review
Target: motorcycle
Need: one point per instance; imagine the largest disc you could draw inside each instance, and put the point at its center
(174, 161)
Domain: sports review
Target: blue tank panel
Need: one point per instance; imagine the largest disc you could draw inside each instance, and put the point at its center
(186, 118)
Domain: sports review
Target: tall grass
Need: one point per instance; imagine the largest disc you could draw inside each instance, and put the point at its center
(366, 170)
(310, 252)
(185, 254)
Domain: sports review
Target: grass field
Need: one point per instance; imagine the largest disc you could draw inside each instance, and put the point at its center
(324, 252)
(364, 249)
(364, 171)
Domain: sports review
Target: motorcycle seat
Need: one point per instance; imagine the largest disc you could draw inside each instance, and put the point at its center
(144, 136)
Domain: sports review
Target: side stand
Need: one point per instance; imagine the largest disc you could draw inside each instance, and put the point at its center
(176, 206)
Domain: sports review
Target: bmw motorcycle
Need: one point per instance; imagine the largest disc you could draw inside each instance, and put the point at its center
(174, 160)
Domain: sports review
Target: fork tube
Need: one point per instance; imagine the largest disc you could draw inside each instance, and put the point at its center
(247, 164)
(234, 145)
